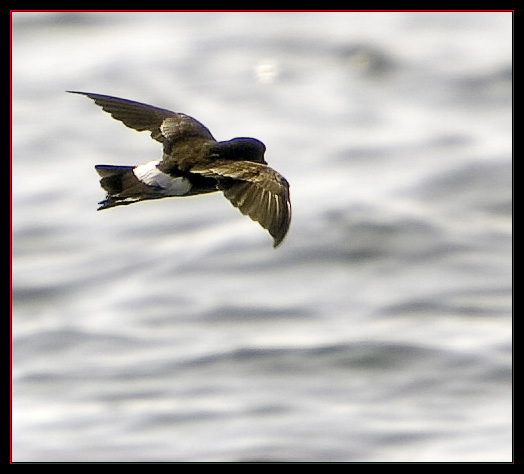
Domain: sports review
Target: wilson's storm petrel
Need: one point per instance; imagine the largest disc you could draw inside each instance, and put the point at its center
(193, 162)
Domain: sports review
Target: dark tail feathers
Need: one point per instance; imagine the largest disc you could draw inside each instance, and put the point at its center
(121, 185)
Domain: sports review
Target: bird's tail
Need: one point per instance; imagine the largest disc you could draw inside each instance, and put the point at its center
(121, 185)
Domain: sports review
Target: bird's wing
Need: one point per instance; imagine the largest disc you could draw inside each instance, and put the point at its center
(162, 123)
(256, 190)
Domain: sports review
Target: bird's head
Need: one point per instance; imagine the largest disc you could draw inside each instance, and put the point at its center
(242, 148)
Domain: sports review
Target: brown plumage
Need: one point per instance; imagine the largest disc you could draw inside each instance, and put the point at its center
(193, 162)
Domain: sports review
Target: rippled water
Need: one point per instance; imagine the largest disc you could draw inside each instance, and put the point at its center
(172, 331)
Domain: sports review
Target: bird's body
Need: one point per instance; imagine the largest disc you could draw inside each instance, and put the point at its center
(192, 163)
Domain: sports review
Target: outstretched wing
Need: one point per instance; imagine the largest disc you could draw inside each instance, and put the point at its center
(257, 191)
(162, 123)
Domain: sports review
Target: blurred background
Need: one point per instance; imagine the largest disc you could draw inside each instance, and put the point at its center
(172, 330)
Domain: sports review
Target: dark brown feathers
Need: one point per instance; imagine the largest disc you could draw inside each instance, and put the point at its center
(257, 191)
(161, 123)
(194, 162)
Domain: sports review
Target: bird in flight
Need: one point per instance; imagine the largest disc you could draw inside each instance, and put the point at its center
(192, 163)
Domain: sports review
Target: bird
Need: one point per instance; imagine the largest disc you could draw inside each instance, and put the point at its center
(194, 163)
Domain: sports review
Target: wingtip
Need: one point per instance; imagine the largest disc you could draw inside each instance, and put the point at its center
(278, 240)
(87, 94)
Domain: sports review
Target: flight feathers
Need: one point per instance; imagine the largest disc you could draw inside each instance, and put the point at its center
(193, 162)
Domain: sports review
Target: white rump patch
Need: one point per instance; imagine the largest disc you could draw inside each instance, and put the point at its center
(149, 174)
